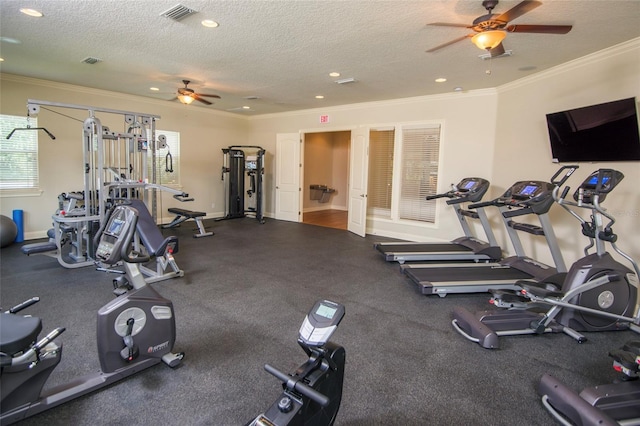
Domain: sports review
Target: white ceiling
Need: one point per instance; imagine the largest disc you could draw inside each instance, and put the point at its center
(282, 51)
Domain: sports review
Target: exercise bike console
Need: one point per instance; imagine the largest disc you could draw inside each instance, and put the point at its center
(312, 395)
(320, 323)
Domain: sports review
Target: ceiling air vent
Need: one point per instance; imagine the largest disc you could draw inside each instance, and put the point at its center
(89, 60)
(178, 12)
(346, 80)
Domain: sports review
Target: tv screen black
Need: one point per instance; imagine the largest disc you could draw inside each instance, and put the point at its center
(603, 132)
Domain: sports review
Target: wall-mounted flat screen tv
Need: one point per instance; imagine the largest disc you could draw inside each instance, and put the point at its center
(603, 132)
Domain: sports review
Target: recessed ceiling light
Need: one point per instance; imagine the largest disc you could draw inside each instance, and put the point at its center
(155, 89)
(334, 74)
(457, 89)
(246, 107)
(440, 80)
(31, 12)
(319, 97)
(210, 23)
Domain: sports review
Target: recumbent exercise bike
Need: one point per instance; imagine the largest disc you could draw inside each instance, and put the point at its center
(135, 330)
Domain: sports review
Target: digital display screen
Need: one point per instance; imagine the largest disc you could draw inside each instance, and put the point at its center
(469, 185)
(528, 190)
(326, 311)
(594, 180)
(116, 226)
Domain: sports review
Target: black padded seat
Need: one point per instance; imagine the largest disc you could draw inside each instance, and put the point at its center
(149, 233)
(18, 332)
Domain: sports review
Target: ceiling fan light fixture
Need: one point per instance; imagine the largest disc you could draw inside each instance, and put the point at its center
(185, 99)
(487, 40)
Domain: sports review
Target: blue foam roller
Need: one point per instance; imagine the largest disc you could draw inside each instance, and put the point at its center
(18, 218)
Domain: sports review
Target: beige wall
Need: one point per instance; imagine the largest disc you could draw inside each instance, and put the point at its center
(467, 143)
(203, 135)
(522, 144)
(496, 134)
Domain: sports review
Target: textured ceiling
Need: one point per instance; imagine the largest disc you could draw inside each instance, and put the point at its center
(282, 51)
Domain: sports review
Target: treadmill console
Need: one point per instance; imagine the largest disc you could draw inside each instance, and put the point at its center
(320, 323)
(470, 189)
(600, 183)
(527, 192)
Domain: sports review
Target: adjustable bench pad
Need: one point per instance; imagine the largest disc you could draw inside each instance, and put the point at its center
(186, 213)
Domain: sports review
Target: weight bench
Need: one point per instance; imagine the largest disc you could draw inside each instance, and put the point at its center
(156, 245)
(48, 247)
(183, 215)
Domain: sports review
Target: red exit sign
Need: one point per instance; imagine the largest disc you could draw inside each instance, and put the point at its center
(324, 118)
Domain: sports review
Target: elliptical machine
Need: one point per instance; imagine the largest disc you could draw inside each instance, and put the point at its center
(598, 293)
(312, 394)
(604, 405)
(136, 330)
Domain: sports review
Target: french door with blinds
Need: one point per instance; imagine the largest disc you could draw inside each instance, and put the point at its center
(403, 170)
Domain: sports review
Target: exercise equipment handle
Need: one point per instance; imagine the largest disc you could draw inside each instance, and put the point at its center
(33, 354)
(569, 171)
(483, 204)
(183, 197)
(433, 197)
(23, 305)
(298, 386)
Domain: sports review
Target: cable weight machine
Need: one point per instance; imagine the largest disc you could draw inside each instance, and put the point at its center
(242, 175)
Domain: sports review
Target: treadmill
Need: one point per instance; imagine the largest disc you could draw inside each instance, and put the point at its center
(463, 249)
(522, 198)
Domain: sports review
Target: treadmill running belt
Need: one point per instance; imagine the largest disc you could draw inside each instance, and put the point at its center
(464, 274)
(426, 247)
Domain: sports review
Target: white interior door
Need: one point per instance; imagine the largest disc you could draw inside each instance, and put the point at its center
(288, 177)
(358, 172)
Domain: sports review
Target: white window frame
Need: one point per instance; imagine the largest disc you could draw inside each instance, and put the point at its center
(170, 179)
(430, 207)
(28, 183)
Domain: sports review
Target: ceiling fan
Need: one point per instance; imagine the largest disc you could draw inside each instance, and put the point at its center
(187, 95)
(491, 29)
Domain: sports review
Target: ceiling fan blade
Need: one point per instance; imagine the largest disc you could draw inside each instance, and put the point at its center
(433, 49)
(210, 96)
(518, 10)
(497, 51)
(198, 98)
(445, 24)
(541, 29)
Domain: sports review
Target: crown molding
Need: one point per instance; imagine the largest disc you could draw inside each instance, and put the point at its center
(376, 104)
(14, 78)
(602, 55)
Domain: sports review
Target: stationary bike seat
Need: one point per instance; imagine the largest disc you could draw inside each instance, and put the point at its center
(18, 332)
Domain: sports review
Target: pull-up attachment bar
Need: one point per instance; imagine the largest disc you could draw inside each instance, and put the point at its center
(31, 128)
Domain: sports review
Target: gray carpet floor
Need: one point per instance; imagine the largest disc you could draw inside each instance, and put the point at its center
(244, 295)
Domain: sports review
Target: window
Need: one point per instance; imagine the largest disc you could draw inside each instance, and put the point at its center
(413, 151)
(380, 172)
(420, 158)
(167, 160)
(18, 155)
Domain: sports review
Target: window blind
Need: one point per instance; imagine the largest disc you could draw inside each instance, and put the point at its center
(380, 172)
(18, 155)
(420, 156)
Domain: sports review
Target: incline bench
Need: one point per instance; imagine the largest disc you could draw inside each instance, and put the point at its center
(184, 215)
